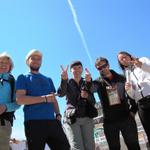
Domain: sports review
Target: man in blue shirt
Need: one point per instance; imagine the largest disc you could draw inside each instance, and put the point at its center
(36, 92)
(7, 100)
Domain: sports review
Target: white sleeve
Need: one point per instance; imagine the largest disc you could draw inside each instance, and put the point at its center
(145, 64)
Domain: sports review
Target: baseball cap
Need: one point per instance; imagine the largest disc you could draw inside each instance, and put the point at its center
(75, 63)
(33, 52)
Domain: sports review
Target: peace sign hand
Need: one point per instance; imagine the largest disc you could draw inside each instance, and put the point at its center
(87, 75)
(64, 73)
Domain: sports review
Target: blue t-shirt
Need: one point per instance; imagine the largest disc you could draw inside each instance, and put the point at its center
(37, 85)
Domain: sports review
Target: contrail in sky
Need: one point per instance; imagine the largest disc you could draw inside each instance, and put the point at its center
(75, 18)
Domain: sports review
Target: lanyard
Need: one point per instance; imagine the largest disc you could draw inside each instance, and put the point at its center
(138, 84)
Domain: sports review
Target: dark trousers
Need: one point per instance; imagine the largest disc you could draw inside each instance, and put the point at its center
(128, 128)
(144, 115)
(40, 132)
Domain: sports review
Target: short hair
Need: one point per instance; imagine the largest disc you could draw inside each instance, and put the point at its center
(99, 59)
(123, 53)
(75, 63)
(33, 52)
(6, 55)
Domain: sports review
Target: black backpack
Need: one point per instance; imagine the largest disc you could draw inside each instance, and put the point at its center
(8, 115)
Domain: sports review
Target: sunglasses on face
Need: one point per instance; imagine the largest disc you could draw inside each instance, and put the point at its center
(102, 67)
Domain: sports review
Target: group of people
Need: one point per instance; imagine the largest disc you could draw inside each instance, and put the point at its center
(121, 96)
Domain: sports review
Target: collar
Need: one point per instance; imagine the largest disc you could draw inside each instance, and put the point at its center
(4, 76)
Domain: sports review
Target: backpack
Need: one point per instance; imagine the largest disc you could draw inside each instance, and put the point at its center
(8, 115)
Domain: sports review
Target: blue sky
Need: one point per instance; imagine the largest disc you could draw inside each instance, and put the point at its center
(67, 30)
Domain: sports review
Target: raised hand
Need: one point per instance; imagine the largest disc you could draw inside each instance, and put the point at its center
(87, 75)
(64, 73)
(136, 62)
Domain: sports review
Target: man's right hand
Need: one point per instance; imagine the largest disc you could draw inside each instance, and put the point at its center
(64, 73)
(127, 86)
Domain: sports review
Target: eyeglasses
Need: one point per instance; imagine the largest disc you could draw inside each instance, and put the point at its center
(102, 67)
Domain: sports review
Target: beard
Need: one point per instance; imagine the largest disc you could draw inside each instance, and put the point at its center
(34, 68)
(102, 74)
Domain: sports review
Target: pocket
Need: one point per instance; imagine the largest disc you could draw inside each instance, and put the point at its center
(7, 129)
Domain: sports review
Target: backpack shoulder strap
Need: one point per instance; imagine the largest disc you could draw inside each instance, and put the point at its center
(11, 80)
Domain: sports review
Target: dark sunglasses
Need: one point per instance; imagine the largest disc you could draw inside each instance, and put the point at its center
(102, 67)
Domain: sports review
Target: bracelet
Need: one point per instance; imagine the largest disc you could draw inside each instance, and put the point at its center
(58, 115)
(46, 100)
